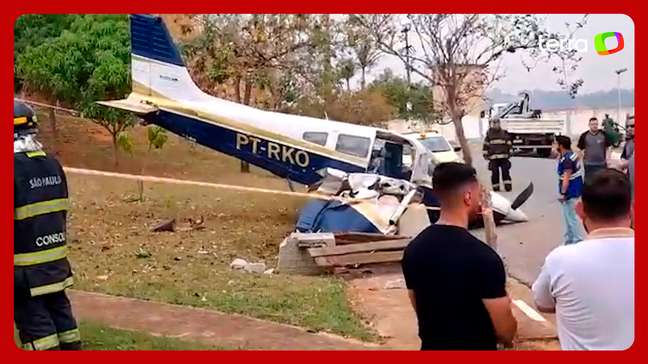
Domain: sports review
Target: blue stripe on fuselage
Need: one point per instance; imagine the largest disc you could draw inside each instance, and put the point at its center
(285, 161)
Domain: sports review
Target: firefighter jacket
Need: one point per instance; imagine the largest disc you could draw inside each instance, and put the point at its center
(497, 144)
(40, 211)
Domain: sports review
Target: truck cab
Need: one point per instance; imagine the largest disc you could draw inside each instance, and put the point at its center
(440, 149)
(529, 131)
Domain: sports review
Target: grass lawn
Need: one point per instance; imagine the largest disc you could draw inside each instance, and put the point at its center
(97, 337)
(112, 250)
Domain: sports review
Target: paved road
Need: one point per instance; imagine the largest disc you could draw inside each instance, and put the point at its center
(525, 245)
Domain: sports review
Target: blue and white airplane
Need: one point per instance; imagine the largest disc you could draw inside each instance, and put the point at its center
(290, 146)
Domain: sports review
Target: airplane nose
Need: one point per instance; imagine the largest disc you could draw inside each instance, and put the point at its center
(502, 206)
(516, 216)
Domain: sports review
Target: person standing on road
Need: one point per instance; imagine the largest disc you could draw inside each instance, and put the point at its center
(629, 146)
(570, 185)
(457, 283)
(595, 145)
(590, 285)
(42, 311)
(497, 150)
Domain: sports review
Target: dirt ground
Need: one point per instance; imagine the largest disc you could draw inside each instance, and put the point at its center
(391, 315)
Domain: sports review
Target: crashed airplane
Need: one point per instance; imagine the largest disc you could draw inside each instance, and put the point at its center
(314, 152)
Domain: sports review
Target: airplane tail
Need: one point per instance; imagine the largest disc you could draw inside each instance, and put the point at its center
(157, 66)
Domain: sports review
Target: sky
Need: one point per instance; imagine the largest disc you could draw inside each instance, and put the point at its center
(597, 71)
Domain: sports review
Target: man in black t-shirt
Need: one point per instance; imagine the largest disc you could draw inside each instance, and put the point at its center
(456, 282)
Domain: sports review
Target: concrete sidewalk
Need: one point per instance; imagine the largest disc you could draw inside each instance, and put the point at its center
(229, 331)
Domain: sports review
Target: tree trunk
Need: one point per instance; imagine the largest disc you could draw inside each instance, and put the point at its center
(348, 85)
(461, 137)
(248, 92)
(489, 219)
(237, 89)
(52, 118)
(115, 149)
(140, 190)
(245, 166)
(362, 81)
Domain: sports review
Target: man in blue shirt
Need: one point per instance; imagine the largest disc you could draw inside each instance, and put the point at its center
(570, 186)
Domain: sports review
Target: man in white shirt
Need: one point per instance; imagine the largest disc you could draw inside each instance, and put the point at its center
(590, 285)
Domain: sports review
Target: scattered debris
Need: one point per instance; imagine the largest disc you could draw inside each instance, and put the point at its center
(255, 268)
(177, 259)
(242, 264)
(167, 225)
(395, 284)
(269, 271)
(357, 254)
(238, 264)
(197, 224)
(102, 278)
(142, 253)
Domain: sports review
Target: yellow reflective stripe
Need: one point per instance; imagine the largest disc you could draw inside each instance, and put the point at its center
(20, 120)
(496, 156)
(41, 208)
(498, 141)
(44, 256)
(45, 343)
(51, 288)
(70, 336)
(38, 153)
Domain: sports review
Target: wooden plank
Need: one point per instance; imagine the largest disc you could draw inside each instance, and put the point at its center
(354, 238)
(359, 248)
(359, 258)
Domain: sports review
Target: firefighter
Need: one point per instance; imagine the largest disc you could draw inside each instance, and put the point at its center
(42, 311)
(497, 150)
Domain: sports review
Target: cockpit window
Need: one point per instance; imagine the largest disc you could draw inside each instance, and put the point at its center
(316, 137)
(353, 145)
(436, 144)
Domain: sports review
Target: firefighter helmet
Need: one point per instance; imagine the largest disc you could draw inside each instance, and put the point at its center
(24, 117)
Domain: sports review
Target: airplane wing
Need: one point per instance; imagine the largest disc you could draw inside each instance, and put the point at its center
(130, 105)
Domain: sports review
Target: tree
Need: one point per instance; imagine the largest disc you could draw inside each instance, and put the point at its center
(346, 71)
(363, 46)
(156, 139)
(87, 62)
(251, 53)
(35, 29)
(365, 107)
(413, 101)
(458, 54)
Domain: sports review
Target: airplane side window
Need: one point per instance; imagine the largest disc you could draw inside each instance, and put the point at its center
(353, 145)
(315, 137)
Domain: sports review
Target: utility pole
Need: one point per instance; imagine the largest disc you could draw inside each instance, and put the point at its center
(406, 29)
(619, 72)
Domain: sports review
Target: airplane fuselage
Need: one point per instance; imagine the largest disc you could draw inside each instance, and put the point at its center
(281, 158)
